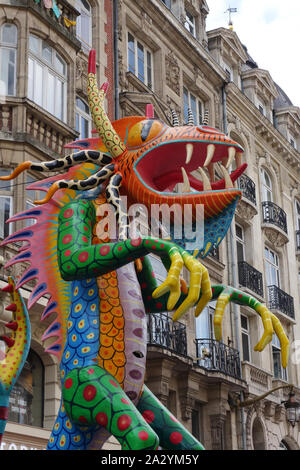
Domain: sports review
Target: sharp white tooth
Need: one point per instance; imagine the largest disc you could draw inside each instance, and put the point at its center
(231, 155)
(238, 159)
(211, 172)
(204, 178)
(186, 187)
(189, 153)
(228, 181)
(209, 154)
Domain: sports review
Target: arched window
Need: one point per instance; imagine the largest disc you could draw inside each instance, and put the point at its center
(8, 58)
(266, 186)
(26, 401)
(297, 213)
(47, 77)
(83, 119)
(84, 23)
(258, 435)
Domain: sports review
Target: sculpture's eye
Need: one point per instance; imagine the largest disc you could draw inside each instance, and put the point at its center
(143, 132)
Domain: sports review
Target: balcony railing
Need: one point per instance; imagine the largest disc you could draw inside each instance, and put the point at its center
(250, 277)
(162, 331)
(218, 357)
(273, 214)
(298, 240)
(280, 300)
(247, 186)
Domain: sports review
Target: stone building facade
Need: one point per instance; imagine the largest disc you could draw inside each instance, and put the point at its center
(163, 55)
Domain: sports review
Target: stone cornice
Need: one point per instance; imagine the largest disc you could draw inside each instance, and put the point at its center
(259, 124)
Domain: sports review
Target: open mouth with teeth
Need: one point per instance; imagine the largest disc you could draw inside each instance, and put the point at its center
(190, 166)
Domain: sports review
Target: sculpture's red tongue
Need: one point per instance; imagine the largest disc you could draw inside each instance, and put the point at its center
(168, 180)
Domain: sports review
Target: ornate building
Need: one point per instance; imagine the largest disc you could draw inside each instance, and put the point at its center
(161, 53)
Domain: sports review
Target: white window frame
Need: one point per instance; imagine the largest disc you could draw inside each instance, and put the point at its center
(276, 349)
(87, 13)
(272, 266)
(48, 70)
(11, 47)
(245, 332)
(265, 189)
(240, 241)
(80, 114)
(190, 23)
(188, 103)
(6, 193)
(262, 108)
(297, 214)
(147, 53)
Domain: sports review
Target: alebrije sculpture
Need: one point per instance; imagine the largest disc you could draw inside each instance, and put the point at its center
(102, 290)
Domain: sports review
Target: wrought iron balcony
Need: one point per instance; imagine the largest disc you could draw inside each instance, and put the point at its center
(280, 300)
(162, 331)
(250, 277)
(273, 214)
(247, 186)
(298, 240)
(218, 357)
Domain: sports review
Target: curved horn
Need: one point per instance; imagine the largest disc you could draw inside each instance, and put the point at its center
(175, 120)
(206, 118)
(81, 185)
(190, 118)
(105, 129)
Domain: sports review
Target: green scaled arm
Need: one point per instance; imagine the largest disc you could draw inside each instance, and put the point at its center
(223, 295)
(79, 259)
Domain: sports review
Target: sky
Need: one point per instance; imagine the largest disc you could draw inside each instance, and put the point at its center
(270, 29)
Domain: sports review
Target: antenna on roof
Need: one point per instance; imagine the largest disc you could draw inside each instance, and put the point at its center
(229, 11)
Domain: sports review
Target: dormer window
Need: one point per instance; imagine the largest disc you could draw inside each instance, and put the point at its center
(261, 108)
(190, 23)
(167, 3)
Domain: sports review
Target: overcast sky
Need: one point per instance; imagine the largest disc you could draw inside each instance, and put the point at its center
(270, 29)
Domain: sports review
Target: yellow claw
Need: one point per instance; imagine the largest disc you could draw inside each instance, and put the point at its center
(206, 292)
(195, 268)
(172, 282)
(268, 327)
(284, 342)
(220, 308)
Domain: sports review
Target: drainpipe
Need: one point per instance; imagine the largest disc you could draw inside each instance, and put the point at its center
(116, 56)
(232, 270)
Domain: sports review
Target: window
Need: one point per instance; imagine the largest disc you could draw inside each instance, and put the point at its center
(266, 186)
(47, 78)
(6, 205)
(205, 323)
(240, 243)
(167, 3)
(261, 108)
(191, 102)
(8, 59)
(297, 211)
(84, 24)
(83, 119)
(196, 423)
(190, 23)
(245, 338)
(279, 371)
(272, 268)
(27, 397)
(140, 61)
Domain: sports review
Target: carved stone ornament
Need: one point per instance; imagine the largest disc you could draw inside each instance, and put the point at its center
(246, 210)
(217, 431)
(172, 73)
(275, 236)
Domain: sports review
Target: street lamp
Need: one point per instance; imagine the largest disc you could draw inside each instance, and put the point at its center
(292, 407)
